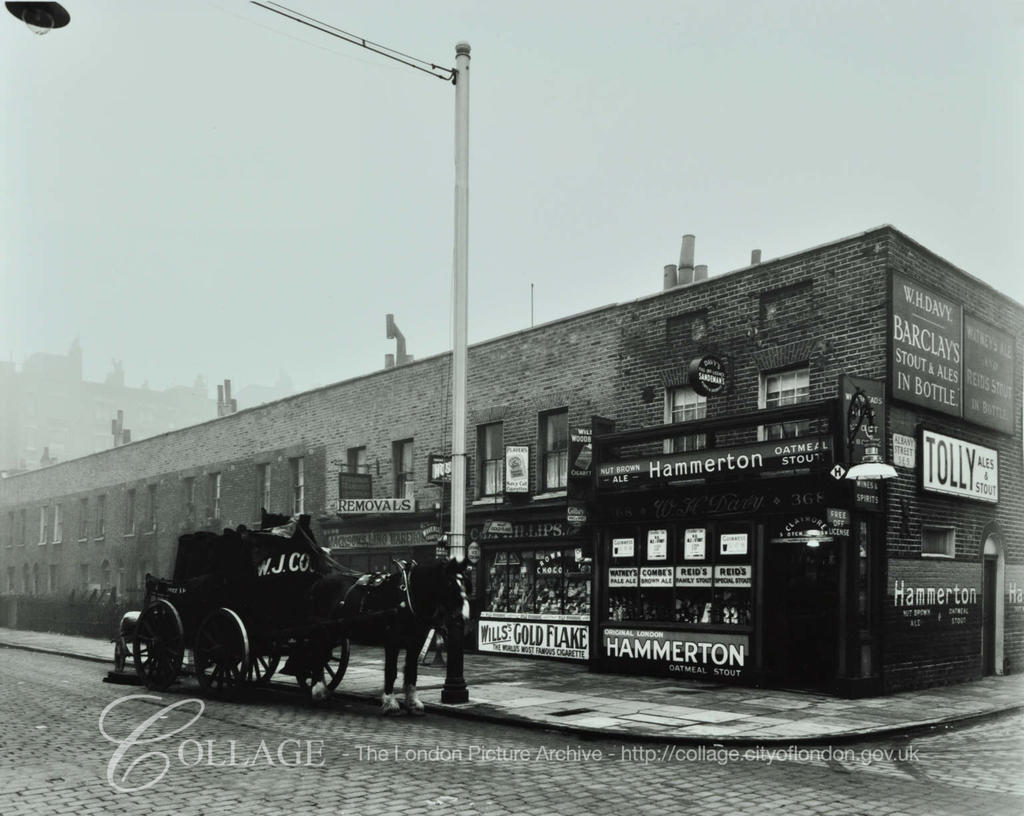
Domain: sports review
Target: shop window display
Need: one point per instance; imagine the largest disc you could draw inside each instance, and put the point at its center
(540, 582)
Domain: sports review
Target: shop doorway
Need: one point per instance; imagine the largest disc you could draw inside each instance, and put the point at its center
(988, 619)
(801, 633)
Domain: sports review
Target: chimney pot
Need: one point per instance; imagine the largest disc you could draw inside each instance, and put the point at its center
(670, 275)
(700, 272)
(755, 257)
(686, 254)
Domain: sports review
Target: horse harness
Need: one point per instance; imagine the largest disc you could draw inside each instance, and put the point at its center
(374, 582)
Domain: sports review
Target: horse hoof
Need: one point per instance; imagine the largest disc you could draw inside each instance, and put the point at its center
(417, 710)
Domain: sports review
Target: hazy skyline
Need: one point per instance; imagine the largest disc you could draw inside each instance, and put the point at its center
(205, 188)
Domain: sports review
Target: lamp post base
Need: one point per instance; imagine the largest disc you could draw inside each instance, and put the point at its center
(455, 689)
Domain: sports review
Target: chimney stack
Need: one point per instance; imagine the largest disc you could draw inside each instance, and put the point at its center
(755, 257)
(225, 405)
(685, 274)
(670, 276)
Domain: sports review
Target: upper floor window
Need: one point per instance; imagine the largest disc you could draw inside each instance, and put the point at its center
(129, 513)
(58, 523)
(263, 487)
(401, 463)
(44, 524)
(23, 528)
(782, 388)
(151, 507)
(355, 460)
(938, 541)
(298, 465)
(554, 444)
(214, 497)
(491, 455)
(83, 519)
(189, 483)
(101, 515)
(683, 404)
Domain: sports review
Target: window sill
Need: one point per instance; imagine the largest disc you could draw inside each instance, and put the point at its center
(951, 557)
(489, 500)
(554, 494)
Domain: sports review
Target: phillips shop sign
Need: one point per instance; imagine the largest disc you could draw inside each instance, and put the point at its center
(958, 468)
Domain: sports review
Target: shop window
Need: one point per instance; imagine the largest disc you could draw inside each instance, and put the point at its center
(402, 465)
(538, 582)
(554, 440)
(683, 404)
(263, 487)
(938, 542)
(491, 455)
(693, 576)
(298, 469)
(790, 387)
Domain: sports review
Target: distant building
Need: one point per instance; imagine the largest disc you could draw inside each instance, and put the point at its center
(49, 413)
(253, 395)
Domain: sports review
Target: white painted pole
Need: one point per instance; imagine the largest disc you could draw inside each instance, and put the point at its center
(460, 278)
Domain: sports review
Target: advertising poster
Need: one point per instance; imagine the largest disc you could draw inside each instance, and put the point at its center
(733, 544)
(695, 548)
(622, 548)
(534, 638)
(657, 545)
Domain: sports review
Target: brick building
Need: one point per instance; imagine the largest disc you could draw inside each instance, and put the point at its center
(656, 486)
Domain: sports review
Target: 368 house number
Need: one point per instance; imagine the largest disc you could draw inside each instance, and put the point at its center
(805, 499)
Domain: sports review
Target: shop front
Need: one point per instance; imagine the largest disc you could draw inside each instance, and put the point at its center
(749, 564)
(536, 583)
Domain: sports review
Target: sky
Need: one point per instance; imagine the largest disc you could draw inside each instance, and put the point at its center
(203, 187)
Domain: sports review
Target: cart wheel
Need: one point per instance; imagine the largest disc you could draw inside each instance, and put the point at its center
(262, 668)
(221, 653)
(159, 645)
(332, 671)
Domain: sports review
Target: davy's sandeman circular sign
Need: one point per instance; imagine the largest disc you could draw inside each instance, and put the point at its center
(707, 375)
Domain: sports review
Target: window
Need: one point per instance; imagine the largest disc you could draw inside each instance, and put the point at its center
(101, 513)
(151, 508)
(938, 542)
(189, 483)
(129, 513)
(785, 388)
(83, 575)
(554, 443)
(683, 404)
(263, 487)
(53, 586)
(10, 530)
(12, 580)
(83, 519)
(37, 584)
(23, 531)
(44, 524)
(491, 453)
(401, 463)
(214, 496)
(542, 582)
(58, 523)
(355, 460)
(298, 466)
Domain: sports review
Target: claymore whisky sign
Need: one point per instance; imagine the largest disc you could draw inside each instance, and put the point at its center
(947, 360)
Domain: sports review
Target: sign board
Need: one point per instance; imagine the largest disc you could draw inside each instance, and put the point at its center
(538, 638)
(694, 546)
(355, 485)
(622, 576)
(728, 575)
(733, 544)
(958, 468)
(581, 454)
(473, 552)
(706, 375)
(709, 655)
(656, 576)
(657, 545)
(745, 460)
(622, 548)
(838, 521)
(863, 400)
(693, 576)
(946, 359)
(517, 469)
(927, 347)
(904, 451)
(352, 506)
(988, 375)
(439, 468)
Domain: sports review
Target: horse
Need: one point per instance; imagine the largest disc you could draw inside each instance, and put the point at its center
(400, 609)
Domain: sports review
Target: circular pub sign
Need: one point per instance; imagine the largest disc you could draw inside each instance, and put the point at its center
(707, 375)
(473, 552)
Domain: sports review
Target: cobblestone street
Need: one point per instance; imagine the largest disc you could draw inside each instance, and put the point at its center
(273, 751)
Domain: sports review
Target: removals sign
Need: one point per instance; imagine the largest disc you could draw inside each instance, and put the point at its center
(958, 468)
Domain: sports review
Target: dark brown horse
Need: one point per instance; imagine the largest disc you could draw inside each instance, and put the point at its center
(397, 611)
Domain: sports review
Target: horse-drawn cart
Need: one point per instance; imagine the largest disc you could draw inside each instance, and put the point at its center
(242, 601)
